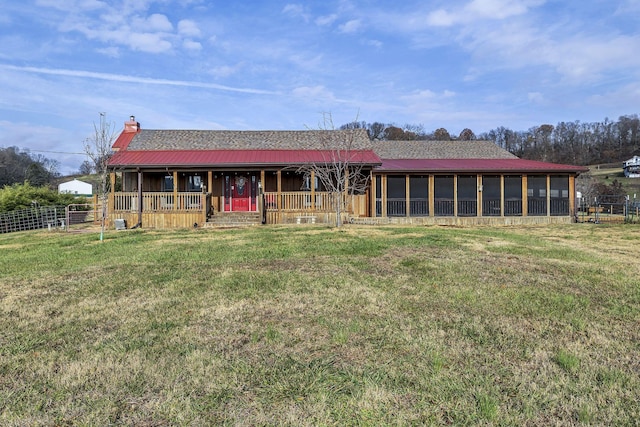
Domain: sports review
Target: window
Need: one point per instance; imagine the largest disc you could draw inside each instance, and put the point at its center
(559, 194)
(396, 196)
(467, 195)
(512, 195)
(443, 195)
(491, 203)
(537, 195)
(419, 195)
(168, 183)
(194, 183)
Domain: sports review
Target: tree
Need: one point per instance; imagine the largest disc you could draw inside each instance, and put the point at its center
(18, 166)
(86, 168)
(340, 171)
(442, 135)
(467, 135)
(98, 149)
(376, 131)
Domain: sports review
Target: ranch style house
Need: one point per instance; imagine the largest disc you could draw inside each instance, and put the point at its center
(187, 178)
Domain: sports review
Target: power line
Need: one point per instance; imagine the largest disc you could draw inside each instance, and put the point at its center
(57, 152)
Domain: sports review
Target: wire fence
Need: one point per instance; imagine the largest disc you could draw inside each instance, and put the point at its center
(49, 217)
(608, 209)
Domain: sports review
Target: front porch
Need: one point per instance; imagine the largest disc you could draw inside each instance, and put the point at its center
(189, 209)
(284, 197)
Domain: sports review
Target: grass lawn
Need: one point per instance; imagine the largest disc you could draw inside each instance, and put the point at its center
(315, 326)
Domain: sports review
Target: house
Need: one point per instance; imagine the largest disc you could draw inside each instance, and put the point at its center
(182, 178)
(631, 167)
(77, 187)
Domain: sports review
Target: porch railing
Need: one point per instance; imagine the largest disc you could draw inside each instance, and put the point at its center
(159, 201)
(299, 201)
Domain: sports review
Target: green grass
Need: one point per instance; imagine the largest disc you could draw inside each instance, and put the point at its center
(315, 326)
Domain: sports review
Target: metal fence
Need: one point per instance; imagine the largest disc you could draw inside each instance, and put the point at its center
(609, 209)
(33, 219)
(49, 217)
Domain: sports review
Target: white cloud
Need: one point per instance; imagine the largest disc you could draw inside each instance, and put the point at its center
(225, 70)
(428, 95)
(191, 45)
(350, 26)
(72, 5)
(326, 20)
(313, 92)
(375, 43)
(481, 10)
(441, 18)
(112, 51)
(296, 10)
(155, 22)
(188, 28)
(148, 42)
(535, 97)
(131, 79)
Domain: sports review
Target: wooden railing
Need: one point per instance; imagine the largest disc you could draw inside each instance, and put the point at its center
(299, 201)
(159, 202)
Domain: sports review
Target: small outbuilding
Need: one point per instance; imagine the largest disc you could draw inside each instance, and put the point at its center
(631, 167)
(76, 187)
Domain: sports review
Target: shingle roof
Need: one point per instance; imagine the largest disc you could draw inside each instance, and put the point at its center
(514, 165)
(221, 148)
(148, 139)
(440, 150)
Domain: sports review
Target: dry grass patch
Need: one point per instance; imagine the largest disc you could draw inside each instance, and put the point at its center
(315, 326)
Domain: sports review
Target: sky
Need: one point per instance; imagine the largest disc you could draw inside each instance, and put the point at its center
(283, 65)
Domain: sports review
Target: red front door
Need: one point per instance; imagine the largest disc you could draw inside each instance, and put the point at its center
(241, 193)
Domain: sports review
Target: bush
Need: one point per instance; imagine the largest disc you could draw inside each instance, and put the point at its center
(23, 196)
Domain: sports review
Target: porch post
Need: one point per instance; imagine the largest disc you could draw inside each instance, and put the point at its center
(548, 195)
(432, 195)
(372, 202)
(279, 195)
(502, 204)
(106, 210)
(175, 190)
(208, 198)
(407, 195)
(384, 195)
(313, 190)
(572, 194)
(479, 191)
(140, 197)
(525, 196)
(455, 195)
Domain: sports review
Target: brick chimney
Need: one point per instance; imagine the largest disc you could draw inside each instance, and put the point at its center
(131, 126)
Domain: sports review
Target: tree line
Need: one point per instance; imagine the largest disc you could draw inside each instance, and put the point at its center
(577, 143)
(18, 165)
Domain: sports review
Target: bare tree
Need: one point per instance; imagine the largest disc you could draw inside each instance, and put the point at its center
(340, 167)
(98, 149)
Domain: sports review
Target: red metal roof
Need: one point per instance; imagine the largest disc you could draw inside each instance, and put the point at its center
(191, 158)
(123, 140)
(474, 165)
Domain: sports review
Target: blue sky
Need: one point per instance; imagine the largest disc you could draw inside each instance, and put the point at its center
(202, 64)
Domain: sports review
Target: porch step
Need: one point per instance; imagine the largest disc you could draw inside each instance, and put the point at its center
(233, 219)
